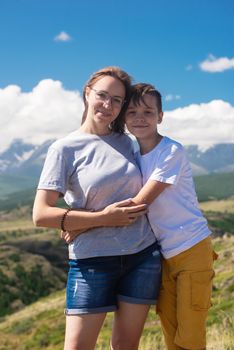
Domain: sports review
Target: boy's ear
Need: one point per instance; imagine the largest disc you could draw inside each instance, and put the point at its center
(160, 117)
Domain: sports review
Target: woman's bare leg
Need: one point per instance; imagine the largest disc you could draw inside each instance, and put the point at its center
(128, 326)
(82, 331)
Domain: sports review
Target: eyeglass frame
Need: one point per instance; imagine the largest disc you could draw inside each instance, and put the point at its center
(108, 97)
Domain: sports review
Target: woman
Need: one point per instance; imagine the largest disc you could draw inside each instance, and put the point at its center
(109, 263)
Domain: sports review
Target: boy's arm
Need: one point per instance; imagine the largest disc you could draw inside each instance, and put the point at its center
(149, 192)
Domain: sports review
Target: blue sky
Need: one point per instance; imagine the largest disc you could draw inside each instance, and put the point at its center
(153, 40)
(163, 42)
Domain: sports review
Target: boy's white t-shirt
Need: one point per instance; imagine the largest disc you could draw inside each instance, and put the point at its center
(174, 215)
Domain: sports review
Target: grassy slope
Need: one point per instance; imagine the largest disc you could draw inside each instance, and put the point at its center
(41, 324)
(26, 276)
(220, 215)
(220, 206)
(214, 186)
(11, 183)
(31, 261)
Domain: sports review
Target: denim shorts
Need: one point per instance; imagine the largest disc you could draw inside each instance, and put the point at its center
(97, 284)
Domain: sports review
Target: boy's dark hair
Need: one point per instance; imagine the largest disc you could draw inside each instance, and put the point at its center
(140, 90)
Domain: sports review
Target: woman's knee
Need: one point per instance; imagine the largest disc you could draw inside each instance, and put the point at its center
(124, 343)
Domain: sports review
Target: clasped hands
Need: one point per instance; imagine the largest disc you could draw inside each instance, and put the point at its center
(118, 214)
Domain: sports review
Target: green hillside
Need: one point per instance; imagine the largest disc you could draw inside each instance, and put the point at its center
(32, 270)
(41, 325)
(32, 265)
(32, 281)
(220, 216)
(214, 186)
(208, 187)
(10, 184)
(20, 199)
(21, 242)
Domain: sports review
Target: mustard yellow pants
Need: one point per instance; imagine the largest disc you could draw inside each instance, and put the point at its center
(185, 296)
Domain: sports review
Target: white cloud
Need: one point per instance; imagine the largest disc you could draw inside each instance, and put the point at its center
(62, 36)
(203, 124)
(50, 111)
(47, 112)
(214, 65)
(171, 97)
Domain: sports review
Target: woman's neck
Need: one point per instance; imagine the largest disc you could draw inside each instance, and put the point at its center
(95, 129)
(146, 145)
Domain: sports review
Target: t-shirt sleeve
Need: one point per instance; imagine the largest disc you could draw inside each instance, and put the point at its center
(55, 173)
(132, 146)
(169, 165)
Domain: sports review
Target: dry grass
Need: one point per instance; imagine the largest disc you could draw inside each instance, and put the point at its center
(44, 319)
(16, 219)
(20, 224)
(221, 206)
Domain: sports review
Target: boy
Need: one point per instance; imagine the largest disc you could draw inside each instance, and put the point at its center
(177, 222)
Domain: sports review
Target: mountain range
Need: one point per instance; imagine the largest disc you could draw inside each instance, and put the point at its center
(23, 161)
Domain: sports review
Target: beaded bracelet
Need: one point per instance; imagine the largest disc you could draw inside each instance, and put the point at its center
(64, 218)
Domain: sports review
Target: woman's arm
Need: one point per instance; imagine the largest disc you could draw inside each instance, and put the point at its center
(46, 214)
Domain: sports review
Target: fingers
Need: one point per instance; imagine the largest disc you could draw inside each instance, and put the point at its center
(66, 236)
(62, 234)
(123, 203)
(135, 216)
(133, 208)
(138, 213)
(132, 219)
(136, 208)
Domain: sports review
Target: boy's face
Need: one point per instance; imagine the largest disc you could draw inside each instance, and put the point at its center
(142, 119)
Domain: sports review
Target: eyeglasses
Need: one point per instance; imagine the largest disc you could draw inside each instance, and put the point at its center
(104, 96)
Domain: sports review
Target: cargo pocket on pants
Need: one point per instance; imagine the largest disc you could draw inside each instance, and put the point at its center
(201, 288)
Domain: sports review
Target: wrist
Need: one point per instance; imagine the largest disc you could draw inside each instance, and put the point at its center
(103, 218)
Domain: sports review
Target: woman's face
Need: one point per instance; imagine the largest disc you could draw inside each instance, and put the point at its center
(105, 100)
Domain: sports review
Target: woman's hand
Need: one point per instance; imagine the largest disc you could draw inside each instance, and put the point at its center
(123, 213)
(68, 237)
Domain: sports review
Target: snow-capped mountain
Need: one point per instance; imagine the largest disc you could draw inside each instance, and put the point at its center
(217, 159)
(24, 159)
(15, 154)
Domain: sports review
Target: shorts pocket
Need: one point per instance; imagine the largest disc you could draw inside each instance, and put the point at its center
(201, 288)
